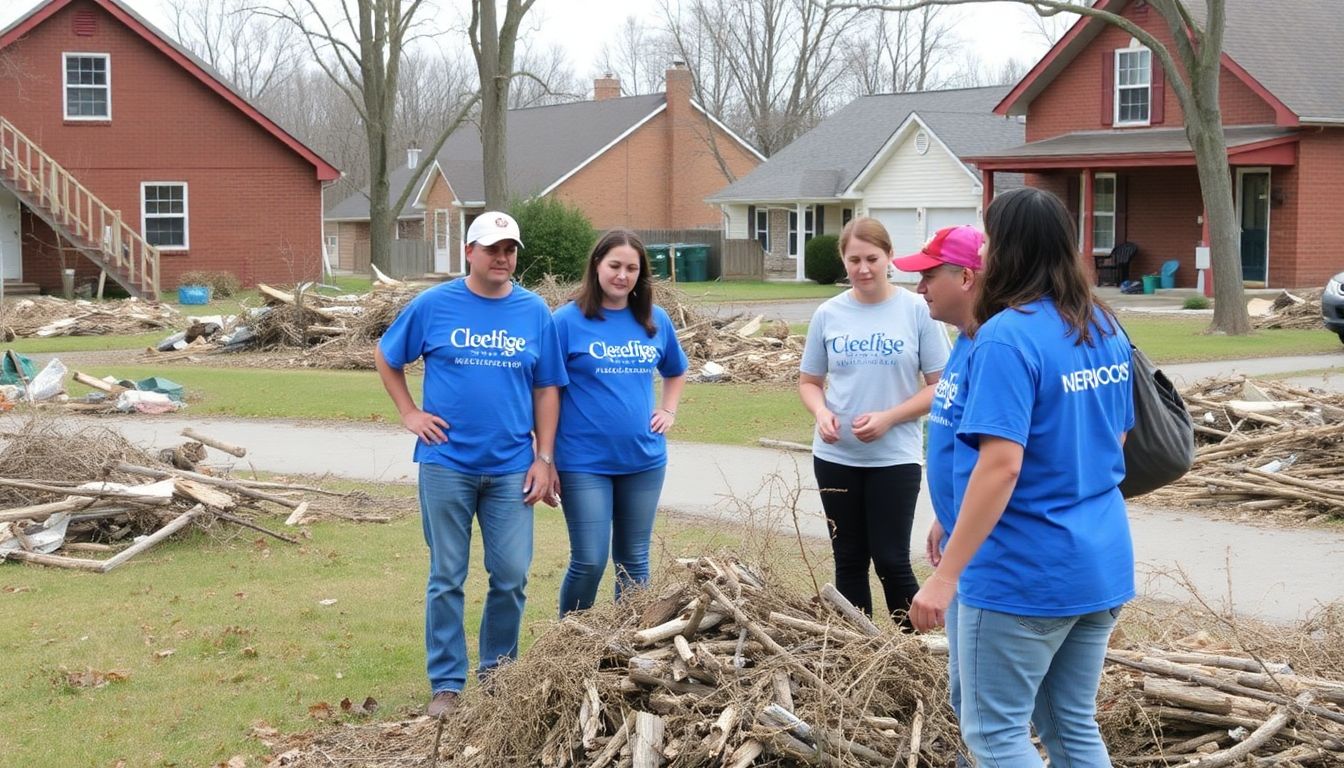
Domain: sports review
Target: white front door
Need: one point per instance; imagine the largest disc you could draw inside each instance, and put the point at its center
(906, 236)
(442, 246)
(11, 245)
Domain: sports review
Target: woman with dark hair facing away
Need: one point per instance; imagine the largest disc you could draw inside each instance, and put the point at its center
(611, 446)
(871, 358)
(1040, 558)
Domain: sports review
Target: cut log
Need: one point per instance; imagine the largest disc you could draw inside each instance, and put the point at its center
(182, 521)
(832, 596)
(204, 494)
(229, 448)
(1258, 738)
(646, 747)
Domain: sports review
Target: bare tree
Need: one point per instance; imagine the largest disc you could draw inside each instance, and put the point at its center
(493, 44)
(1192, 65)
(638, 57)
(247, 49)
(900, 52)
(972, 71)
(361, 52)
(781, 58)
(544, 77)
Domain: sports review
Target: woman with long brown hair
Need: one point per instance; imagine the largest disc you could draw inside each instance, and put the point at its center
(611, 447)
(1040, 558)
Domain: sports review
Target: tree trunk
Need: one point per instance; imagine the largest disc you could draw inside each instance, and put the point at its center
(494, 110)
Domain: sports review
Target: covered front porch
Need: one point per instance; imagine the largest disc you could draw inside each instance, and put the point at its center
(1141, 187)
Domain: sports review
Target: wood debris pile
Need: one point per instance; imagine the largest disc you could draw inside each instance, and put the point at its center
(47, 316)
(81, 499)
(1263, 447)
(1301, 310)
(738, 349)
(723, 665)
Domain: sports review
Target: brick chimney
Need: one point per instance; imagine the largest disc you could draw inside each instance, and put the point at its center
(606, 87)
(413, 156)
(682, 139)
(678, 86)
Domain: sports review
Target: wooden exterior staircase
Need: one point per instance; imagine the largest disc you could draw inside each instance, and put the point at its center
(77, 215)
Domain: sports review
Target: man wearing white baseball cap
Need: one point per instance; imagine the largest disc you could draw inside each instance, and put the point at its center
(486, 433)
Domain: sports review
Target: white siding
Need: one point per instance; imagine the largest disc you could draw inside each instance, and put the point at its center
(736, 227)
(907, 236)
(911, 180)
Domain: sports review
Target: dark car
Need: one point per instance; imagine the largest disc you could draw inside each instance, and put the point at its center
(1332, 305)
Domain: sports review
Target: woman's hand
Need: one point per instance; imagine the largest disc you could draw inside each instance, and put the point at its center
(928, 610)
(870, 426)
(662, 420)
(426, 426)
(828, 426)
(933, 544)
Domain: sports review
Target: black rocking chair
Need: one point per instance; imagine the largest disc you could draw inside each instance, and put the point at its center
(1113, 268)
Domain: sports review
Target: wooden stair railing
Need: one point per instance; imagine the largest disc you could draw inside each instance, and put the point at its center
(96, 230)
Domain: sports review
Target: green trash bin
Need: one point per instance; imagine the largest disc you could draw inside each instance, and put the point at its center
(1150, 283)
(658, 259)
(697, 262)
(679, 262)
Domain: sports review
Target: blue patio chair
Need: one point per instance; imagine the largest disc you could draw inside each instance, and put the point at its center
(1168, 273)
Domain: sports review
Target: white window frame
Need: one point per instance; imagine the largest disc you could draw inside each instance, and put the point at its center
(333, 246)
(65, 85)
(809, 228)
(186, 214)
(760, 228)
(1147, 87)
(1097, 213)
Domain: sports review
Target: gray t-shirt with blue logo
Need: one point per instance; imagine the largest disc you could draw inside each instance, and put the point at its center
(874, 357)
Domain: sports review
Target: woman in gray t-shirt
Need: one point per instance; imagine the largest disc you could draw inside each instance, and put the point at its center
(872, 356)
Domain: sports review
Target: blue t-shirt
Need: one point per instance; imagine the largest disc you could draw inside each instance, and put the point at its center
(605, 409)
(1062, 547)
(483, 357)
(949, 400)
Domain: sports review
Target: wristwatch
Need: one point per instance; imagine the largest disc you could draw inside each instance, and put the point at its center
(545, 458)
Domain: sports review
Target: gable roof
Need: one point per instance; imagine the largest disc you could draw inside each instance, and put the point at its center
(824, 163)
(1293, 54)
(545, 146)
(356, 206)
(183, 58)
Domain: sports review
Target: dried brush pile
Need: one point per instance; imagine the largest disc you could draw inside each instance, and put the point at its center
(47, 316)
(1301, 310)
(744, 671)
(1263, 448)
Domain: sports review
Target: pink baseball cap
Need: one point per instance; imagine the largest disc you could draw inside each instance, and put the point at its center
(959, 246)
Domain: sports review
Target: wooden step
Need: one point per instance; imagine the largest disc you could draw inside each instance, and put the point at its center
(17, 288)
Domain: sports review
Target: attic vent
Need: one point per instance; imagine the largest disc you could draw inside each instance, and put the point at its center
(921, 142)
(85, 23)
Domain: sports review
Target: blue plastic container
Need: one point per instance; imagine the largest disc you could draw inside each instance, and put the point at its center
(193, 294)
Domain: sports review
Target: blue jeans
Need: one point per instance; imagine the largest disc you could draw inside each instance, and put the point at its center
(449, 500)
(1018, 671)
(607, 513)
(953, 676)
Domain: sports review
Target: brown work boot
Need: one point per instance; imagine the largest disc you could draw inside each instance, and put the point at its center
(442, 705)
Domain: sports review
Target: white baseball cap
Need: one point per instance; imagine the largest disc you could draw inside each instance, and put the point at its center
(491, 227)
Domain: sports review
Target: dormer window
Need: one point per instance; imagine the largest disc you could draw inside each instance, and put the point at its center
(1133, 85)
(88, 86)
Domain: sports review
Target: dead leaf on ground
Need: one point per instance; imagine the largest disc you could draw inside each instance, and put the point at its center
(165, 653)
(92, 678)
(237, 761)
(320, 711)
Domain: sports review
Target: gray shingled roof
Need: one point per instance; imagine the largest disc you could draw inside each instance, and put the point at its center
(545, 144)
(356, 206)
(824, 162)
(1291, 48)
(1148, 141)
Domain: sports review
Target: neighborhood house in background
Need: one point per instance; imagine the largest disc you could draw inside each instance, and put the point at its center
(94, 73)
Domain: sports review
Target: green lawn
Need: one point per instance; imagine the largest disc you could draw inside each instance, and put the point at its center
(1168, 339)
(734, 290)
(250, 298)
(213, 635)
(59, 344)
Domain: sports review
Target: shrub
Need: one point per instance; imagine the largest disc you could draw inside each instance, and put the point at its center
(1195, 302)
(821, 259)
(558, 238)
(222, 284)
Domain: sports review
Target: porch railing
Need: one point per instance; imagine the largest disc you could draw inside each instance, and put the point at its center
(83, 218)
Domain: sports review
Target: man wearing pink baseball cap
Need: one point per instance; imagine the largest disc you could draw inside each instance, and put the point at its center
(949, 279)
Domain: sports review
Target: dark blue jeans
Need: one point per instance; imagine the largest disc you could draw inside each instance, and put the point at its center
(607, 514)
(449, 502)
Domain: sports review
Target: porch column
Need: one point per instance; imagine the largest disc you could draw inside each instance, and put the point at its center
(1086, 208)
(800, 245)
(988, 191)
(1205, 241)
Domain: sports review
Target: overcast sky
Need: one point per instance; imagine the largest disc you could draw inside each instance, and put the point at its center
(996, 31)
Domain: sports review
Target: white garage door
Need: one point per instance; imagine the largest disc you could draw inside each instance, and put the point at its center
(906, 237)
(949, 217)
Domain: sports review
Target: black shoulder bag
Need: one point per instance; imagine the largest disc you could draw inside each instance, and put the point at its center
(1160, 448)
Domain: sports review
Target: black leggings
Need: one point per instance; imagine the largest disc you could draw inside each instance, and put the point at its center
(871, 511)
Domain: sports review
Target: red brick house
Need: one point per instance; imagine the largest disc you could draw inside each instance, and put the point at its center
(1105, 133)
(641, 162)
(122, 152)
